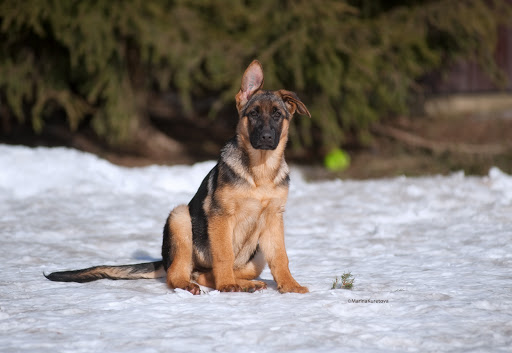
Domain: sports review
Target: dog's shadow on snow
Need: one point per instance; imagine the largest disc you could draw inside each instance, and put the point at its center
(141, 255)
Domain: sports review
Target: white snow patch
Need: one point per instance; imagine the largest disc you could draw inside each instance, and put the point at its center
(431, 259)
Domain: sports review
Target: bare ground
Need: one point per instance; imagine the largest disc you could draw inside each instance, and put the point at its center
(426, 146)
(405, 146)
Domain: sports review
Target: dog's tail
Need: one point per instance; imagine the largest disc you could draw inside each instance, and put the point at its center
(135, 271)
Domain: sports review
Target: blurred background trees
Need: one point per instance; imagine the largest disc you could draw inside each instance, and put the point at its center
(141, 76)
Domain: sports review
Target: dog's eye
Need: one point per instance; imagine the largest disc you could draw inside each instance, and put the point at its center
(254, 113)
(276, 113)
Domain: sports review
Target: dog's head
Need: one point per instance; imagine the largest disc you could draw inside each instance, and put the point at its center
(265, 115)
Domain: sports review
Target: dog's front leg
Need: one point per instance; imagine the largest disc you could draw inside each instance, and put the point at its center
(220, 232)
(272, 244)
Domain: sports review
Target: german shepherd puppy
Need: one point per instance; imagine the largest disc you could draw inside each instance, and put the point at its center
(234, 223)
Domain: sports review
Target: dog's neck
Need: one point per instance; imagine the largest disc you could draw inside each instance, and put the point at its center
(266, 166)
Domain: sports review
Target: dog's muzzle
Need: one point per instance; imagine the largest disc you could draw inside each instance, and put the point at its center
(266, 140)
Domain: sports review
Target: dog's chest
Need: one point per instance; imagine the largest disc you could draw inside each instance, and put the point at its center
(253, 214)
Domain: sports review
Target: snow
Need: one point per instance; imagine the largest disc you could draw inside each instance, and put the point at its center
(437, 249)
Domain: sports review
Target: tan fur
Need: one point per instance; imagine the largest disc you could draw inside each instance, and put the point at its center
(272, 245)
(234, 223)
(242, 217)
(243, 276)
(266, 166)
(178, 275)
(120, 273)
(253, 214)
(220, 228)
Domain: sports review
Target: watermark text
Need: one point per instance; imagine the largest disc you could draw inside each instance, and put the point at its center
(368, 301)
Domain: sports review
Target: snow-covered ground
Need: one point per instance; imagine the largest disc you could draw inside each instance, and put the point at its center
(437, 249)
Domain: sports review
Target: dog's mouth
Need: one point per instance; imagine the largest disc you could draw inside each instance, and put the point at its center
(264, 147)
(264, 144)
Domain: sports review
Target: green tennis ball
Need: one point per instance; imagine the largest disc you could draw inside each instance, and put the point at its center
(337, 160)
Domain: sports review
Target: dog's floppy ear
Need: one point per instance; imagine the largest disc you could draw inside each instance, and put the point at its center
(293, 103)
(252, 81)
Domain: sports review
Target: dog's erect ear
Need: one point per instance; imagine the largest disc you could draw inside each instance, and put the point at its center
(252, 81)
(293, 103)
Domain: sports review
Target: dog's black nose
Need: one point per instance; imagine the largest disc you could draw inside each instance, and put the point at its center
(267, 137)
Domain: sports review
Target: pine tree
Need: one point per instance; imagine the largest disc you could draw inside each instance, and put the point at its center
(353, 62)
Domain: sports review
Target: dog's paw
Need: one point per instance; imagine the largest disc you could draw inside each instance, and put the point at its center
(193, 288)
(229, 288)
(251, 286)
(185, 285)
(296, 288)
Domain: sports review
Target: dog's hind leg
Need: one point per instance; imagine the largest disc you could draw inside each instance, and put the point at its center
(180, 233)
(205, 279)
